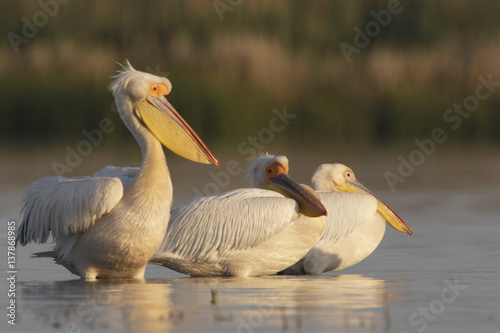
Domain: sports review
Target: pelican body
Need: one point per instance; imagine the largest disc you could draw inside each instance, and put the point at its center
(104, 227)
(355, 224)
(245, 232)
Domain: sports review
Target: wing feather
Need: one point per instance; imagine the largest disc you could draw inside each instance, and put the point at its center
(126, 174)
(234, 220)
(61, 206)
(346, 211)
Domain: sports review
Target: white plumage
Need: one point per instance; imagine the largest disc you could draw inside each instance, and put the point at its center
(245, 232)
(126, 175)
(65, 206)
(107, 226)
(355, 224)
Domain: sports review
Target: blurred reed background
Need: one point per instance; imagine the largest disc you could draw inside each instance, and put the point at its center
(230, 69)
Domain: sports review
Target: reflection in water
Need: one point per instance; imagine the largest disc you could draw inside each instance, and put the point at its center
(77, 305)
(293, 304)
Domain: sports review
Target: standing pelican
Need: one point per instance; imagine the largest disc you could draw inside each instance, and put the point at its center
(245, 232)
(355, 224)
(104, 228)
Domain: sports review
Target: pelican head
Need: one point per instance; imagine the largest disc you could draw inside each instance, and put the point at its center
(140, 99)
(338, 177)
(271, 172)
(261, 164)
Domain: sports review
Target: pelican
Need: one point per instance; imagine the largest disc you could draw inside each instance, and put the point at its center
(245, 232)
(103, 227)
(355, 224)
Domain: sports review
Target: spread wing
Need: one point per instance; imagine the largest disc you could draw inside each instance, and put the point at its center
(61, 206)
(346, 211)
(234, 220)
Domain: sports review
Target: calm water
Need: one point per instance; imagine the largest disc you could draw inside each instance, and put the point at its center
(444, 278)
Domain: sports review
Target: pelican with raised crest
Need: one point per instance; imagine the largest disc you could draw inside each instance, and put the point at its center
(105, 227)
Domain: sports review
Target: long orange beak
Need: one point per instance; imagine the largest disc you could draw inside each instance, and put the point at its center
(172, 130)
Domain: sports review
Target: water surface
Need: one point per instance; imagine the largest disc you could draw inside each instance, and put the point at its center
(444, 278)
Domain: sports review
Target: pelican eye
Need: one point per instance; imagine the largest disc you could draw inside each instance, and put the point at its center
(271, 172)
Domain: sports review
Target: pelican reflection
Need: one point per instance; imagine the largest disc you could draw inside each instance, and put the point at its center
(297, 303)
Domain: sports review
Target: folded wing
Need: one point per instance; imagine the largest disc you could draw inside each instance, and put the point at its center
(237, 220)
(346, 212)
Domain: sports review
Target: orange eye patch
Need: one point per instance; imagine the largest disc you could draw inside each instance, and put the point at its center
(158, 89)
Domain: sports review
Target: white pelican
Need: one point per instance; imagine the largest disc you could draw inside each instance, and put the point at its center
(355, 224)
(245, 232)
(103, 228)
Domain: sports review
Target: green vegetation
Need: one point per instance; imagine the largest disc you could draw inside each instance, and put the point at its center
(229, 74)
